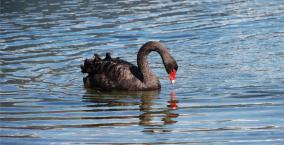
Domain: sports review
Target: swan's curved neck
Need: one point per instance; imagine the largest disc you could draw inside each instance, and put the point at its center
(142, 61)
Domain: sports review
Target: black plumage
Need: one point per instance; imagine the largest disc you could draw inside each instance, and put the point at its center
(114, 73)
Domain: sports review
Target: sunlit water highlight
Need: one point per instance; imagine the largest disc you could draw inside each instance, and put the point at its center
(229, 86)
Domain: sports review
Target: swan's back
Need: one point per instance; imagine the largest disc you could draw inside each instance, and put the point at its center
(111, 73)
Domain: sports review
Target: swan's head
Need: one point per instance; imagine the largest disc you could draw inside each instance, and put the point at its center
(171, 68)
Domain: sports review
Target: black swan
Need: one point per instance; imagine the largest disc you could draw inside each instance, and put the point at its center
(116, 74)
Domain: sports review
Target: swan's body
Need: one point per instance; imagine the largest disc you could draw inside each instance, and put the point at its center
(114, 73)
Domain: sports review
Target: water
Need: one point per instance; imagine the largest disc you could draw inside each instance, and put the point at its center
(230, 82)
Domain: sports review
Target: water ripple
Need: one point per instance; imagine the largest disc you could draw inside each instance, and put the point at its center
(230, 79)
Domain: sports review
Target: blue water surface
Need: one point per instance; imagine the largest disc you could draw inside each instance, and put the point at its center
(229, 87)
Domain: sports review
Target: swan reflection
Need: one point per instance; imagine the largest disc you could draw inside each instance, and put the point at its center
(119, 107)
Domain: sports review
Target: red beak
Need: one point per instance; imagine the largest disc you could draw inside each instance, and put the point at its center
(173, 76)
